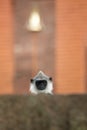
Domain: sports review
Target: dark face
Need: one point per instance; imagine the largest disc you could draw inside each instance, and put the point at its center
(41, 84)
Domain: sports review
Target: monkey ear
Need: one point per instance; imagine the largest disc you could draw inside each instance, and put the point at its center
(50, 78)
(31, 80)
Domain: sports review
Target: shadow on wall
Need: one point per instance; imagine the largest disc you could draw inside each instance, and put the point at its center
(34, 51)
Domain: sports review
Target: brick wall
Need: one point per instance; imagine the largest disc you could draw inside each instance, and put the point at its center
(6, 48)
(71, 33)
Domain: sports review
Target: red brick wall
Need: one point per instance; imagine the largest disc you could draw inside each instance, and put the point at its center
(71, 33)
(6, 48)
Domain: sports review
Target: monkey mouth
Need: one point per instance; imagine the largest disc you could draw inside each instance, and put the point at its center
(41, 84)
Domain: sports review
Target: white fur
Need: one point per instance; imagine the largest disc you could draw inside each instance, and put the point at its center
(48, 89)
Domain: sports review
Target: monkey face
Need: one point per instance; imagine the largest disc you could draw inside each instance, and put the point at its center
(41, 84)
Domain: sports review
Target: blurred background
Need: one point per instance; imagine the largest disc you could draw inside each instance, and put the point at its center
(47, 35)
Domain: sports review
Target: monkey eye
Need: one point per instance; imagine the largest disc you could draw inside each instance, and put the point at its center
(50, 78)
(31, 80)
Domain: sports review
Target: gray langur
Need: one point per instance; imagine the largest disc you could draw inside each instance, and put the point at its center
(41, 83)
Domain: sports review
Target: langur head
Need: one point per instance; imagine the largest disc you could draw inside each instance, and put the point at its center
(41, 83)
